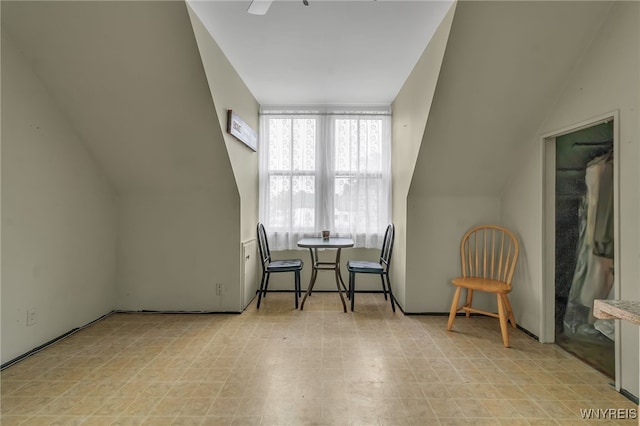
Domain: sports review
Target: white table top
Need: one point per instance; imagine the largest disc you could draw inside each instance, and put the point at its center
(319, 242)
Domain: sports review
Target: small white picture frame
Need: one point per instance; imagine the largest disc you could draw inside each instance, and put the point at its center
(237, 128)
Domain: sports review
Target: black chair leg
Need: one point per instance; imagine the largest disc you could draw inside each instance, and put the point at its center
(260, 290)
(384, 287)
(352, 284)
(266, 285)
(393, 306)
(296, 288)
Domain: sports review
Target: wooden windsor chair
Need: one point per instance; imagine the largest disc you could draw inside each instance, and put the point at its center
(488, 255)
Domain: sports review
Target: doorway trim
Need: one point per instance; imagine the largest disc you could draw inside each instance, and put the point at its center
(548, 303)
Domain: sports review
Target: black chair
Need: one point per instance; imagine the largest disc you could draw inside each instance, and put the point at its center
(381, 268)
(272, 266)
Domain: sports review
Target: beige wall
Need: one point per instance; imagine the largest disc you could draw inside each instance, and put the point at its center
(522, 213)
(603, 81)
(177, 245)
(170, 257)
(493, 90)
(179, 235)
(437, 223)
(58, 217)
(229, 92)
(139, 100)
(410, 111)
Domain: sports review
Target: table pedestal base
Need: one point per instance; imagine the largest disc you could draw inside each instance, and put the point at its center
(325, 266)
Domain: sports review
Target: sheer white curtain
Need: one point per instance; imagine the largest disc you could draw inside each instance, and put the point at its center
(361, 177)
(325, 169)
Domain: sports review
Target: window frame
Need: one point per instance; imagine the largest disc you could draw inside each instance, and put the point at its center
(326, 174)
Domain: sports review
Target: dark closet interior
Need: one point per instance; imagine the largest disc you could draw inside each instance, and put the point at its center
(584, 243)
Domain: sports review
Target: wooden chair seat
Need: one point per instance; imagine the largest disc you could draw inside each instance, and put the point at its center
(488, 255)
(482, 284)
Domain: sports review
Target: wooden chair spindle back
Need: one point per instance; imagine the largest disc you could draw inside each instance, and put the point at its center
(489, 251)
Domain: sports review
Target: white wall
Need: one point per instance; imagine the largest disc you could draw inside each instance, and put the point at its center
(605, 80)
(58, 217)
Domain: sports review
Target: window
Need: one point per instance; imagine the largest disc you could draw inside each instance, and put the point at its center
(325, 170)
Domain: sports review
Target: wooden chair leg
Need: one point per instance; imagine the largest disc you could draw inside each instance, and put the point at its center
(469, 300)
(454, 308)
(503, 320)
(510, 316)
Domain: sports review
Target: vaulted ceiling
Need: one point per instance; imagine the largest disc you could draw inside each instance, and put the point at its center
(330, 52)
(504, 64)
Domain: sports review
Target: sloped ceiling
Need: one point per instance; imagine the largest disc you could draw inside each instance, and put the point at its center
(129, 76)
(504, 66)
(130, 79)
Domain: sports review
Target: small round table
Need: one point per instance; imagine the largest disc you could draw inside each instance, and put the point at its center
(315, 243)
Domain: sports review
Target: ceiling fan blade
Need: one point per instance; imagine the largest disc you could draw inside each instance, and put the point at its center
(259, 7)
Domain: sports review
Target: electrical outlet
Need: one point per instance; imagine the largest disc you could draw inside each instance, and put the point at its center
(31, 317)
(219, 289)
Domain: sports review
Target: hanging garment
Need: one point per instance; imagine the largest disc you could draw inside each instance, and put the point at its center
(603, 228)
(593, 276)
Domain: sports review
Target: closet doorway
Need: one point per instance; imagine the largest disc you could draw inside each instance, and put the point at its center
(584, 243)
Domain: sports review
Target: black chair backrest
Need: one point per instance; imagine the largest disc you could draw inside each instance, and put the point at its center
(263, 245)
(387, 246)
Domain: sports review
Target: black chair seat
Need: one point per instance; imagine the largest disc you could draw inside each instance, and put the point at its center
(364, 267)
(285, 265)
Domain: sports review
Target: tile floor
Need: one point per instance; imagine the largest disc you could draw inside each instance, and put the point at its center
(280, 366)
